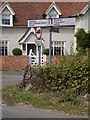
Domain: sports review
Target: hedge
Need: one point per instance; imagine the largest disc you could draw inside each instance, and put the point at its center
(69, 74)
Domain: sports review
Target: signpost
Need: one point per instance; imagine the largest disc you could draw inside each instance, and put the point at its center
(38, 41)
(52, 23)
(63, 22)
(39, 23)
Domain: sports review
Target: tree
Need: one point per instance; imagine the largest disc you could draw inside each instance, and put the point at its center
(81, 38)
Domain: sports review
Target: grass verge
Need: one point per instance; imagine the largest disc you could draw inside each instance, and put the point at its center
(47, 100)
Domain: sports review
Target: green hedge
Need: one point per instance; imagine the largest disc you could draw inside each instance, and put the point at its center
(46, 51)
(70, 73)
(17, 51)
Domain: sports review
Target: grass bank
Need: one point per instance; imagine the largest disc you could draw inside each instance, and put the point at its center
(46, 100)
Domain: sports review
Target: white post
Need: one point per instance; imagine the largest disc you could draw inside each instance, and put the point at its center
(26, 48)
(37, 55)
(61, 48)
(7, 47)
(41, 56)
(64, 48)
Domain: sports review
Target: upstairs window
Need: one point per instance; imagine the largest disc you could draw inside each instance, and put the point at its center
(5, 19)
(53, 13)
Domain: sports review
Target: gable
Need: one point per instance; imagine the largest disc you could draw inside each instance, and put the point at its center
(6, 8)
(53, 11)
(6, 11)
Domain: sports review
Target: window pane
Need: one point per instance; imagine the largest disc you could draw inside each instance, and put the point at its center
(5, 19)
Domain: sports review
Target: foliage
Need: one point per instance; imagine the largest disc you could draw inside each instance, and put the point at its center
(46, 51)
(69, 73)
(17, 51)
(70, 96)
(82, 39)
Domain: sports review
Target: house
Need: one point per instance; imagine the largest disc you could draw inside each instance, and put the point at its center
(15, 32)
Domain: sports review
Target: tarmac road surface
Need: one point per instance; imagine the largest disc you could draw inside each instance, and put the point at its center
(11, 77)
(22, 111)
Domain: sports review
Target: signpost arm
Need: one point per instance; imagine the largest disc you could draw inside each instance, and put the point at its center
(50, 42)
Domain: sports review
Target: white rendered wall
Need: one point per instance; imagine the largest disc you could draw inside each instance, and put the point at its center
(12, 35)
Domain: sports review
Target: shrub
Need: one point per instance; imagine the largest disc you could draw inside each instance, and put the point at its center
(46, 51)
(82, 38)
(70, 73)
(69, 96)
(17, 51)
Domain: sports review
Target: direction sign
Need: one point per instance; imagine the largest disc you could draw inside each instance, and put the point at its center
(63, 21)
(39, 23)
(54, 29)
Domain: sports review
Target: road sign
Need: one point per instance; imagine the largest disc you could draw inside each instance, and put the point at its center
(54, 29)
(38, 42)
(39, 23)
(38, 33)
(63, 21)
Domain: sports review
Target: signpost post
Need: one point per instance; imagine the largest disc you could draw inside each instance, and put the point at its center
(38, 42)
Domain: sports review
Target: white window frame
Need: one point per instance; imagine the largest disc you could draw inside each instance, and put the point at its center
(4, 47)
(11, 21)
(12, 13)
(58, 45)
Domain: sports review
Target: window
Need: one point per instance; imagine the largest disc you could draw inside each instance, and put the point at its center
(5, 19)
(3, 47)
(58, 48)
(53, 13)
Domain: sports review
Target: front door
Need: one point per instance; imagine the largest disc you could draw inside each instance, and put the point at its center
(31, 46)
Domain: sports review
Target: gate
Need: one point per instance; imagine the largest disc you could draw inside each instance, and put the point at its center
(34, 59)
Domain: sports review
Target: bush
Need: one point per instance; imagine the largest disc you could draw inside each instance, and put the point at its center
(82, 39)
(70, 73)
(46, 51)
(70, 96)
(17, 51)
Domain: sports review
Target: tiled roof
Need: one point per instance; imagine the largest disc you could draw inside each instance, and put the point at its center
(36, 10)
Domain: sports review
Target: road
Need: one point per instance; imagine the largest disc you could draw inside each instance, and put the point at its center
(11, 77)
(22, 111)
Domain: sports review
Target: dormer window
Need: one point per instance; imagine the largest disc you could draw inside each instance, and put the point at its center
(7, 15)
(53, 11)
(5, 19)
